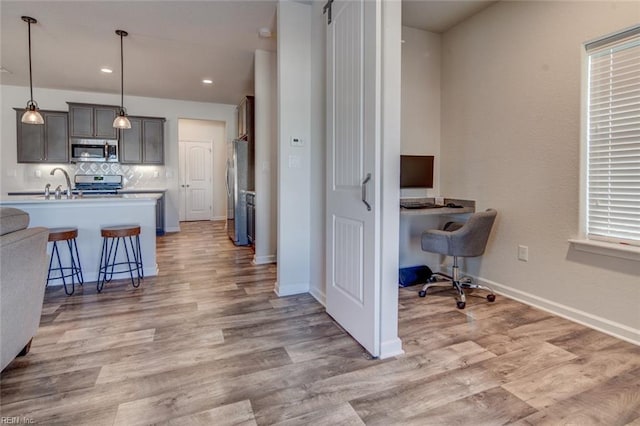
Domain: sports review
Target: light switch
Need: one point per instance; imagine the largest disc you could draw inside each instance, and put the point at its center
(296, 141)
(38, 174)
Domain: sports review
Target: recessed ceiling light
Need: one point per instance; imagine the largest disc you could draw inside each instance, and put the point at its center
(207, 81)
(106, 70)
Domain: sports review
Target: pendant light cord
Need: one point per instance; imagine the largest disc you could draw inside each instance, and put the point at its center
(121, 73)
(30, 72)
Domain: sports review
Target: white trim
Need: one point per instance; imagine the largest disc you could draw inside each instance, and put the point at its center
(263, 260)
(319, 295)
(607, 249)
(290, 289)
(172, 229)
(219, 218)
(604, 325)
(391, 348)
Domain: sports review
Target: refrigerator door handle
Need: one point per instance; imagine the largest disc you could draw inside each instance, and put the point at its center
(226, 182)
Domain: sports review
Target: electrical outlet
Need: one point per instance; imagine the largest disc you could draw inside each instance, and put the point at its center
(523, 253)
(38, 174)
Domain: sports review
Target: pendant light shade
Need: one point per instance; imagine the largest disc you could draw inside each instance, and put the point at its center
(121, 121)
(31, 115)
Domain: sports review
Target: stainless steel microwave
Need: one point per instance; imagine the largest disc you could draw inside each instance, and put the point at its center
(94, 152)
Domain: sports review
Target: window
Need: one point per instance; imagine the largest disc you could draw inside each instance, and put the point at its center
(613, 138)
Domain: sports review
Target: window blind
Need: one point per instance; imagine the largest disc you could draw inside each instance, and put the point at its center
(613, 137)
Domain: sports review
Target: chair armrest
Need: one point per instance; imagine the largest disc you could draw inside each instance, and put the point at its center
(436, 241)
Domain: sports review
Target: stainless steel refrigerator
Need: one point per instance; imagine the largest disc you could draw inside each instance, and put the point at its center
(237, 181)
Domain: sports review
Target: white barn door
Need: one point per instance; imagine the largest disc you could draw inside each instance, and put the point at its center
(353, 136)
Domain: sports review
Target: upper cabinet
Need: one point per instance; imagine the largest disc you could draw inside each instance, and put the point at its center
(43, 144)
(90, 121)
(143, 143)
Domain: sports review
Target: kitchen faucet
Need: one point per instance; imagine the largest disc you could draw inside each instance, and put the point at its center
(66, 176)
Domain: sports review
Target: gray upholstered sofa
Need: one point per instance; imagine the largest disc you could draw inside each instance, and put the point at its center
(23, 270)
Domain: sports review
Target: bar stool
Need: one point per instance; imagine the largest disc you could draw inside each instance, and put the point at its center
(112, 235)
(75, 269)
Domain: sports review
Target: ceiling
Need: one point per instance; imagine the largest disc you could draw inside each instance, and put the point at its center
(439, 15)
(172, 45)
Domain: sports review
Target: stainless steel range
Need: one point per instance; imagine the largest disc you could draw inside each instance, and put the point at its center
(98, 184)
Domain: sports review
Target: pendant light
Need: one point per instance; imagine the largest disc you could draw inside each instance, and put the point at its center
(31, 115)
(121, 121)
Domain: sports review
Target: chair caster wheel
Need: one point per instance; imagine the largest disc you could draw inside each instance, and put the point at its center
(422, 293)
(491, 297)
(460, 305)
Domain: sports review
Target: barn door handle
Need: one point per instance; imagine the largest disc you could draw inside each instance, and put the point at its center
(364, 191)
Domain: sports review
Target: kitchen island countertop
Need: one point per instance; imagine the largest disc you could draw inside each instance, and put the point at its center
(84, 199)
(119, 191)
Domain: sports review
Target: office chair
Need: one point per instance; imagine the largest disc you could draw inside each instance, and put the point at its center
(467, 239)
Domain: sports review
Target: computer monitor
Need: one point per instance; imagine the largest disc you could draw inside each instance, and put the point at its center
(416, 171)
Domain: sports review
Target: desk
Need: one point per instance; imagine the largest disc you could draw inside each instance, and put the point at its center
(413, 222)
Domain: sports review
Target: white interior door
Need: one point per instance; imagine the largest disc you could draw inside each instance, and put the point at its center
(353, 236)
(196, 187)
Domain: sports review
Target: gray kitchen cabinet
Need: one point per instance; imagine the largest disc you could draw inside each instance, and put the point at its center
(160, 216)
(153, 141)
(130, 151)
(92, 121)
(251, 218)
(43, 144)
(143, 143)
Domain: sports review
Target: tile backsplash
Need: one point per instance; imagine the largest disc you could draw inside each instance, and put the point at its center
(35, 176)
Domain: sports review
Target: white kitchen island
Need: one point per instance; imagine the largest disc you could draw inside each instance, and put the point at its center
(89, 214)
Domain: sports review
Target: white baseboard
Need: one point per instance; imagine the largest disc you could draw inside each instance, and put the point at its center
(604, 325)
(219, 218)
(320, 296)
(290, 289)
(391, 348)
(172, 229)
(263, 260)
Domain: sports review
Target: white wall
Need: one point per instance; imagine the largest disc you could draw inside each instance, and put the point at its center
(511, 140)
(294, 176)
(212, 132)
(318, 151)
(266, 155)
(171, 109)
(421, 101)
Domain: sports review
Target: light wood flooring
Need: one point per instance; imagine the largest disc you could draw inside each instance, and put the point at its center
(208, 342)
